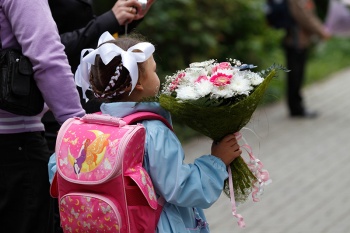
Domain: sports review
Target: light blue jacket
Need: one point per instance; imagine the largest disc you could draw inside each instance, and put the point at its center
(186, 188)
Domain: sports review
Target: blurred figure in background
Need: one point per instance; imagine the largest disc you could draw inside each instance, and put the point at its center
(337, 20)
(296, 43)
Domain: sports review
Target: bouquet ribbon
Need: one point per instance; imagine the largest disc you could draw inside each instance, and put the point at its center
(262, 175)
(240, 220)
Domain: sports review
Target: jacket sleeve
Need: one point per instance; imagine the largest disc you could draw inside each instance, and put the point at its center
(187, 185)
(87, 37)
(304, 14)
(52, 167)
(36, 32)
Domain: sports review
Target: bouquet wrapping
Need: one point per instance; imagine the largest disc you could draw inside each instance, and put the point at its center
(216, 99)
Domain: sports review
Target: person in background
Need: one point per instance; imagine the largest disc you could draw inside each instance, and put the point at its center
(296, 44)
(24, 188)
(80, 28)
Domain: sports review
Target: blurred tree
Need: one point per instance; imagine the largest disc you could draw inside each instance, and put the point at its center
(186, 31)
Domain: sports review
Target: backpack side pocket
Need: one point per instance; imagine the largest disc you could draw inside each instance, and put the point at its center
(90, 213)
(141, 201)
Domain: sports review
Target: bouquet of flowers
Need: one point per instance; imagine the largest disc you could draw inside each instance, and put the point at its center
(216, 99)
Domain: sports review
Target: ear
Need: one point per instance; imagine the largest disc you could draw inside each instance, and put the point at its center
(138, 86)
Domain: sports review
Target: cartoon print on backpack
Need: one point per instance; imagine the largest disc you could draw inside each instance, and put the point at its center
(91, 157)
(91, 153)
(76, 211)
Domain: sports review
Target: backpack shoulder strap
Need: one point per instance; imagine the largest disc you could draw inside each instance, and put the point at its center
(129, 119)
(139, 116)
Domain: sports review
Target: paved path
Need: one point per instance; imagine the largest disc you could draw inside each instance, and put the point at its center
(309, 163)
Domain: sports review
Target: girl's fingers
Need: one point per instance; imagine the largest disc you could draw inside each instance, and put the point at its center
(229, 137)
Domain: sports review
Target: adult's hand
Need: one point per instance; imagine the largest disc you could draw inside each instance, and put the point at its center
(125, 11)
(143, 12)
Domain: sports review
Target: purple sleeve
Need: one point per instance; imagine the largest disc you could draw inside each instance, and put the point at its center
(36, 32)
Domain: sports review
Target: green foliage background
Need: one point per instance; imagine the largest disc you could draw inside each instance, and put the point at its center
(186, 31)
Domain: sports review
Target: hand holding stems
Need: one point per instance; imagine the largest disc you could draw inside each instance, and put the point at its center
(127, 11)
(227, 149)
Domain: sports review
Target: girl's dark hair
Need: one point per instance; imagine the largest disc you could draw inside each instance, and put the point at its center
(101, 74)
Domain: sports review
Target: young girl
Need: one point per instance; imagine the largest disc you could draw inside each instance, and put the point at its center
(123, 73)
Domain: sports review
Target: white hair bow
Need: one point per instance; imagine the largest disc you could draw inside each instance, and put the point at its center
(107, 52)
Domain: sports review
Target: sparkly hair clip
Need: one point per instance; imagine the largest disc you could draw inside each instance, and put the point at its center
(114, 78)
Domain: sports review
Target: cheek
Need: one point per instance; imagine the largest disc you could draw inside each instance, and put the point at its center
(158, 83)
(155, 81)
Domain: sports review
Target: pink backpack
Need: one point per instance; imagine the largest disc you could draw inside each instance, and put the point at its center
(100, 183)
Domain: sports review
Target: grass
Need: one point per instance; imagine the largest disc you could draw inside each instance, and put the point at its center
(324, 59)
(328, 58)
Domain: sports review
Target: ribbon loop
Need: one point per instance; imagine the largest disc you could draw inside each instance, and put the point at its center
(240, 220)
(262, 175)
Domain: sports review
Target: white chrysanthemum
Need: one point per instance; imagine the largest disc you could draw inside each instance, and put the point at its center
(223, 91)
(202, 64)
(235, 70)
(203, 87)
(255, 79)
(240, 85)
(187, 93)
(192, 74)
(209, 69)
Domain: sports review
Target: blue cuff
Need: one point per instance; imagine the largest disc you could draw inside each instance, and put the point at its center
(217, 163)
(52, 167)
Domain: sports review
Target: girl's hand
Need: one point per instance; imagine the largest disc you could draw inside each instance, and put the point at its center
(227, 149)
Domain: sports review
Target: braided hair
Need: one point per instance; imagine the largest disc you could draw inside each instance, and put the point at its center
(112, 82)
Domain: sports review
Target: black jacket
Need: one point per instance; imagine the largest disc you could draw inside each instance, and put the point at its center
(80, 28)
